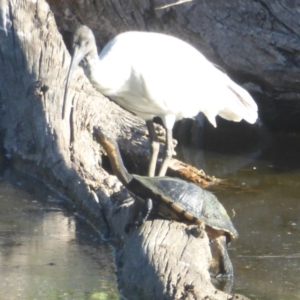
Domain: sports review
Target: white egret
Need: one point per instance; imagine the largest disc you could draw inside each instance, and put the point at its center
(156, 75)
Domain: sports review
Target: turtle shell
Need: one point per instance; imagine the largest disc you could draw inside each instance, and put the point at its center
(189, 200)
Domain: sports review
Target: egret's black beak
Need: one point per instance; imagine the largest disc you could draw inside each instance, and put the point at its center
(77, 56)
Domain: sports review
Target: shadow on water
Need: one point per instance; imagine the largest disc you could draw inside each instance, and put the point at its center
(266, 167)
(45, 252)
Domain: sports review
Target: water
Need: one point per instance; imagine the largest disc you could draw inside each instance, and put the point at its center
(265, 202)
(46, 253)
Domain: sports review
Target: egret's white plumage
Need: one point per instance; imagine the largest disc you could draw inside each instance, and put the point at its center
(156, 75)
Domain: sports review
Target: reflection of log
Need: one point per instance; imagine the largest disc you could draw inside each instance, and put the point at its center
(33, 67)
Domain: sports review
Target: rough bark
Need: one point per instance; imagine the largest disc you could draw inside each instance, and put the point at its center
(33, 68)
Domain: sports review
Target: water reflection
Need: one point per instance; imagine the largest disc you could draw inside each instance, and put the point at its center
(45, 253)
(266, 257)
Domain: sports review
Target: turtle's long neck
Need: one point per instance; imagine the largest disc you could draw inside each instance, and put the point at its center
(112, 150)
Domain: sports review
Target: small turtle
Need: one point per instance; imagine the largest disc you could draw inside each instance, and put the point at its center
(186, 202)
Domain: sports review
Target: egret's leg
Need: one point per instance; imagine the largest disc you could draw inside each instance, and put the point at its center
(154, 144)
(168, 153)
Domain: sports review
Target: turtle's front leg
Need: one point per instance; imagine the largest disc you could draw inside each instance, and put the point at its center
(140, 215)
(220, 256)
(145, 212)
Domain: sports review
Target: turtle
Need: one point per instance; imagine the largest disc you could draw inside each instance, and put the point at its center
(186, 202)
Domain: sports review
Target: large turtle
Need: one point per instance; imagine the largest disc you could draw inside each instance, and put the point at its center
(186, 201)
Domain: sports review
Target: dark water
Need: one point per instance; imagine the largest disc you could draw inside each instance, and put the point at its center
(265, 170)
(46, 253)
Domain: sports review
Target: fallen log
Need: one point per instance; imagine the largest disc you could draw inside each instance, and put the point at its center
(62, 153)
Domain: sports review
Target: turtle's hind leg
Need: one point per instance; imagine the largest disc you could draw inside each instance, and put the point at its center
(197, 230)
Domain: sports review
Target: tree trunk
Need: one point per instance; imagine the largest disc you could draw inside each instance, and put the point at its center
(152, 263)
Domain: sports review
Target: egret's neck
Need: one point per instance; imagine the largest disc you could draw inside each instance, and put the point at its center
(90, 63)
(93, 54)
(102, 75)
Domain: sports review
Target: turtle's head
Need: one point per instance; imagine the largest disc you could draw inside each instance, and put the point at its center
(103, 138)
(83, 45)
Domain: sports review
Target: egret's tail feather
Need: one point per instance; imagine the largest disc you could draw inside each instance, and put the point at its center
(240, 105)
(247, 102)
